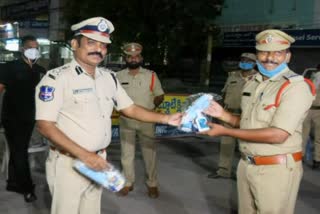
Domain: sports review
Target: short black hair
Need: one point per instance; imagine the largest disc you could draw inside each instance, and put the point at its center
(78, 38)
(27, 38)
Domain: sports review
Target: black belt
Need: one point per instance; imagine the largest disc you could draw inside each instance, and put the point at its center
(70, 155)
(315, 108)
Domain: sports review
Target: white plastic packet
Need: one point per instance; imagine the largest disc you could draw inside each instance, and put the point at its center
(194, 120)
(110, 179)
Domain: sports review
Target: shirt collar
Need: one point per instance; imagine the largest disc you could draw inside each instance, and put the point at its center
(78, 70)
(275, 78)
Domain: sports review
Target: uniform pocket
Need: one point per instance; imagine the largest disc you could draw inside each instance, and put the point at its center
(86, 103)
(264, 115)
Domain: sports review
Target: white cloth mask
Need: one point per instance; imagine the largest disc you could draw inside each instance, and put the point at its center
(32, 53)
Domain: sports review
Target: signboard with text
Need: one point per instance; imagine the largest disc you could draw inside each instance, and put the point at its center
(23, 10)
(172, 103)
(309, 38)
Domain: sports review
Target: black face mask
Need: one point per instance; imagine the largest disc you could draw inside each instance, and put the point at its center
(133, 65)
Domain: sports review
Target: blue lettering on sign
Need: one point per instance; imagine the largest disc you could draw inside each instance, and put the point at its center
(173, 104)
(304, 38)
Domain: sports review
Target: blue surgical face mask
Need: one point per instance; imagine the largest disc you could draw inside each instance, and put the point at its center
(246, 65)
(271, 73)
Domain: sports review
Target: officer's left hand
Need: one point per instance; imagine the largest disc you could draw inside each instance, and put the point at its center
(214, 110)
(215, 130)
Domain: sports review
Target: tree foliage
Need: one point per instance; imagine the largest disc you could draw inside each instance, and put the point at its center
(167, 28)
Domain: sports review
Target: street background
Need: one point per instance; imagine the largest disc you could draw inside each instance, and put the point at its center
(184, 163)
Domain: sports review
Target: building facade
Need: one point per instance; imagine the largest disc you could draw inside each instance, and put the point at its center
(41, 18)
(241, 20)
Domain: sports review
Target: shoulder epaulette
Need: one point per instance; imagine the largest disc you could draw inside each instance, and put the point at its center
(112, 73)
(55, 73)
(294, 77)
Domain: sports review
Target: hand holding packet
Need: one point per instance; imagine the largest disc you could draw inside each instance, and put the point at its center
(110, 179)
(194, 120)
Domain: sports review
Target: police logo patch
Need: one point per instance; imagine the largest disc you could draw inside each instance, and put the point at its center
(46, 93)
(269, 38)
(102, 26)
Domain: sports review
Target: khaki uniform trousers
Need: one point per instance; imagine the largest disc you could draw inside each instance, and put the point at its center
(268, 189)
(227, 149)
(312, 121)
(129, 130)
(72, 193)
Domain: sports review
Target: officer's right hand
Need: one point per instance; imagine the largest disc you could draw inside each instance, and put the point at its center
(94, 161)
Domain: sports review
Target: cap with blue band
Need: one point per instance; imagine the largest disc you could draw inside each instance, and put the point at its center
(97, 28)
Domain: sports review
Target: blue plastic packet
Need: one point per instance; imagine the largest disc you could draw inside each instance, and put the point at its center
(110, 179)
(194, 120)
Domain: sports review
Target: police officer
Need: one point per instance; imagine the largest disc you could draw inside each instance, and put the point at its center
(232, 98)
(19, 79)
(274, 104)
(144, 88)
(74, 106)
(312, 121)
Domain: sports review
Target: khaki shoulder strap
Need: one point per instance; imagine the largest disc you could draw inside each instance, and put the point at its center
(114, 79)
(284, 85)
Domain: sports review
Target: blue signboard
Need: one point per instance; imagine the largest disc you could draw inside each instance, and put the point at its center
(161, 130)
(304, 38)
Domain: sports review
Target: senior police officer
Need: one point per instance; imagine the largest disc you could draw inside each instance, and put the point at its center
(74, 105)
(274, 105)
(312, 121)
(232, 98)
(144, 88)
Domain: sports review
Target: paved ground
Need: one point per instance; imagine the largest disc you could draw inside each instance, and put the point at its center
(185, 189)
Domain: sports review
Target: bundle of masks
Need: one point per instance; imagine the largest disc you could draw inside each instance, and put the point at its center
(194, 120)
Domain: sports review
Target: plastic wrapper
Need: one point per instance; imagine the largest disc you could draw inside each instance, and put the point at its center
(194, 120)
(110, 179)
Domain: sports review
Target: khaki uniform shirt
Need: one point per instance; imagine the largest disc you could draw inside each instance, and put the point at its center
(295, 102)
(80, 105)
(233, 89)
(138, 86)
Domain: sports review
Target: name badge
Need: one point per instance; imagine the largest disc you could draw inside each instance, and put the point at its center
(82, 90)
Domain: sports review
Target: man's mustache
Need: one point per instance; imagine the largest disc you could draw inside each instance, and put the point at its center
(96, 53)
(269, 62)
